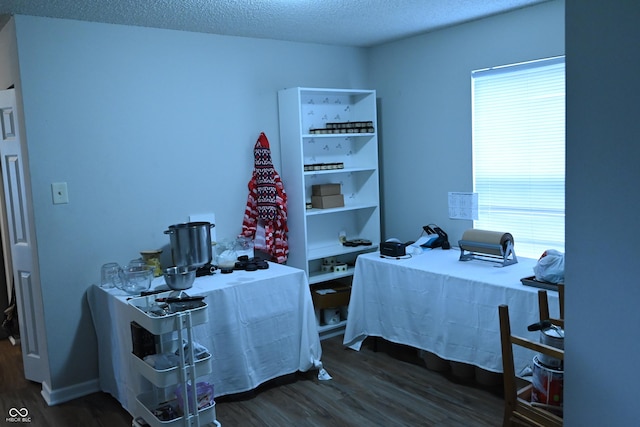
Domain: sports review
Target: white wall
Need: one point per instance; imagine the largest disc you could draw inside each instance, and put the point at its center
(424, 89)
(602, 315)
(146, 126)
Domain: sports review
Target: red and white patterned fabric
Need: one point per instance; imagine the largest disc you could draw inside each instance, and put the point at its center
(265, 216)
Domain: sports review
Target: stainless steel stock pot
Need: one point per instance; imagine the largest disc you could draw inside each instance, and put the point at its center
(190, 243)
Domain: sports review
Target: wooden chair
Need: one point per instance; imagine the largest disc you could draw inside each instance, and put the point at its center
(543, 305)
(519, 410)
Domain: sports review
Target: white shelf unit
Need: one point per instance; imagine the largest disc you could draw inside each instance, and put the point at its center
(314, 234)
(172, 330)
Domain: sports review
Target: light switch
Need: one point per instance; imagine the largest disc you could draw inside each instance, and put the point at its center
(59, 193)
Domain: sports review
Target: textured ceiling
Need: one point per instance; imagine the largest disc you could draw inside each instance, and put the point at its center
(338, 22)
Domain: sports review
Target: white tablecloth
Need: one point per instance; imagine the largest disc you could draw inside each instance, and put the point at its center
(261, 326)
(436, 303)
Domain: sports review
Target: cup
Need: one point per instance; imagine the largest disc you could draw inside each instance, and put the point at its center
(135, 278)
(110, 275)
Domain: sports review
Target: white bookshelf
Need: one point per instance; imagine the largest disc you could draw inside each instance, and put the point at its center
(314, 233)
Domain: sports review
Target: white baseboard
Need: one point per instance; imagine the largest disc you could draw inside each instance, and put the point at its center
(65, 394)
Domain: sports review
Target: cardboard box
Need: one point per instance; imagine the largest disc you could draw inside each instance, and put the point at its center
(335, 297)
(325, 202)
(325, 190)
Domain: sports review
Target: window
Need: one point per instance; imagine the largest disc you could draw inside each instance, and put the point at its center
(519, 152)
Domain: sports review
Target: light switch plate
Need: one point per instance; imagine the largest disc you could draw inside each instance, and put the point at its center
(59, 193)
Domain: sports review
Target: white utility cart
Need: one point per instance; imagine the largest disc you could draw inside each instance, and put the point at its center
(173, 329)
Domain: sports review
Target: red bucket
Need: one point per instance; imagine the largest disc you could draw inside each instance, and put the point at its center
(548, 384)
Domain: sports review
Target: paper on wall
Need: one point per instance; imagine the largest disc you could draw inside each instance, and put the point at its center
(463, 205)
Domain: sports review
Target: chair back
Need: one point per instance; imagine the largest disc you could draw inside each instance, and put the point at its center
(543, 306)
(519, 409)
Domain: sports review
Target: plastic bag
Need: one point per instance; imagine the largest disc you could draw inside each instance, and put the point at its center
(163, 361)
(199, 351)
(550, 267)
(204, 394)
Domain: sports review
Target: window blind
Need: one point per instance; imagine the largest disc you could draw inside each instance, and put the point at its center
(519, 153)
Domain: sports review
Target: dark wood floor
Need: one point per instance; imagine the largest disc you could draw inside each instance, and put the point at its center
(390, 387)
(95, 410)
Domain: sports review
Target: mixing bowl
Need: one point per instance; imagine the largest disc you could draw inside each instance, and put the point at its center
(181, 277)
(135, 278)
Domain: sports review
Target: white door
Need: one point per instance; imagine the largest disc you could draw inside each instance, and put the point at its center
(18, 216)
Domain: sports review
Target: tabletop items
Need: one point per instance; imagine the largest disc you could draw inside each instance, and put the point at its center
(152, 258)
(133, 278)
(261, 325)
(484, 245)
(436, 303)
(109, 275)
